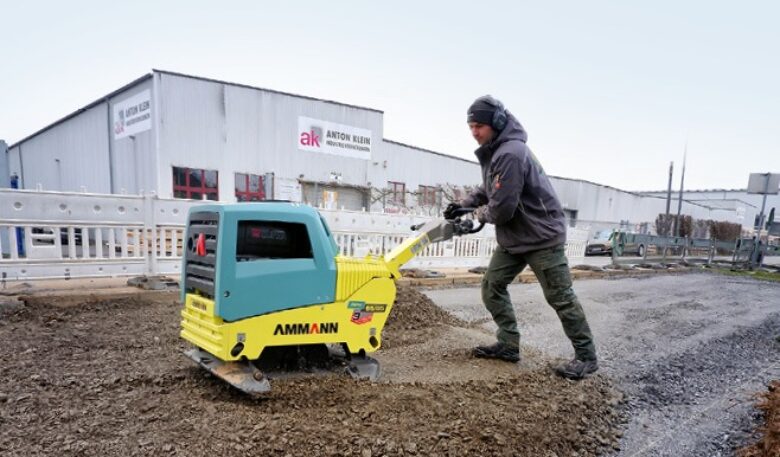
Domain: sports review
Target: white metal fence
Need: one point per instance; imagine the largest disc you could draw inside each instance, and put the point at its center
(61, 235)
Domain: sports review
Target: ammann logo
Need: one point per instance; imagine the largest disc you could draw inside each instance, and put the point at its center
(306, 329)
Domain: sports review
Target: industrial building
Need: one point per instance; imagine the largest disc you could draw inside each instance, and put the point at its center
(183, 136)
(188, 137)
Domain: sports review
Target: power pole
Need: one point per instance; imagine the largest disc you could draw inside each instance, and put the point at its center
(679, 200)
(668, 195)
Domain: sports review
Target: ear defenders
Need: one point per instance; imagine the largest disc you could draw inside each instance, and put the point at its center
(499, 115)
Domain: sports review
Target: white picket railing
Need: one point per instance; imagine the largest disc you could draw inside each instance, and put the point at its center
(61, 235)
(462, 252)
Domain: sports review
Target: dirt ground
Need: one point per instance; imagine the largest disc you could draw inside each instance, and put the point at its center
(769, 444)
(689, 351)
(107, 377)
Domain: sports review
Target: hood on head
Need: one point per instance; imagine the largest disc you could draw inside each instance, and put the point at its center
(513, 131)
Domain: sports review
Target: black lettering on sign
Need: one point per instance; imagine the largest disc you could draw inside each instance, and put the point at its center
(375, 307)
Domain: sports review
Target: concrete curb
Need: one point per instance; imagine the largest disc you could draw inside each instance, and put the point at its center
(70, 298)
(528, 277)
(115, 287)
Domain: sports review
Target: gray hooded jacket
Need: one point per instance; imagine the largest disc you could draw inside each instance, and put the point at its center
(520, 200)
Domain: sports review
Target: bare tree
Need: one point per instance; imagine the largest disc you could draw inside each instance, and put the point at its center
(416, 200)
(663, 224)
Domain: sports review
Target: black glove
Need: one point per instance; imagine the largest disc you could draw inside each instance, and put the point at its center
(449, 211)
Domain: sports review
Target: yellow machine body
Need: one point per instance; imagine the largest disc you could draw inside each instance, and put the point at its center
(365, 296)
(268, 275)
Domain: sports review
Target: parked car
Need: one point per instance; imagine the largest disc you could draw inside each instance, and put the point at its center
(601, 244)
(633, 243)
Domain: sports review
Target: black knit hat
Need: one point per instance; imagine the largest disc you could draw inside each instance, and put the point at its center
(481, 111)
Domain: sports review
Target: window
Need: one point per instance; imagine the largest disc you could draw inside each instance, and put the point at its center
(429, 196)
(272, 240)
(571, 217)
(397, 192)
(249, 188)
(195, 183)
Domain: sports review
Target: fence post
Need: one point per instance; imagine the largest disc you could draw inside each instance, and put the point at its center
(712, 252)
(666, 243)
(614, 248)
(150, 233)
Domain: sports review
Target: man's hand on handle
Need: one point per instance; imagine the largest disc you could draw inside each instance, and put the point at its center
(450, 212)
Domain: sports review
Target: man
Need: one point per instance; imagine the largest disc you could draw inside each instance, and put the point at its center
(518, 198)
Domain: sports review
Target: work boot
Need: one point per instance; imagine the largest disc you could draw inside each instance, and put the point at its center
(499, 351)
(577, 369)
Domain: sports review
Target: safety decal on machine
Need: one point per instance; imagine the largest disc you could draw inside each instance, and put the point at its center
(364, 312)
(420, 245)
(361, 317)
(356, 305)
(375, 307)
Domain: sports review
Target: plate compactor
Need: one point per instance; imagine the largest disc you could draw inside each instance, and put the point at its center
(266, 294)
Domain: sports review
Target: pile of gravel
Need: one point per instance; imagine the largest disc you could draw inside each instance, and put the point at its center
(413, 310)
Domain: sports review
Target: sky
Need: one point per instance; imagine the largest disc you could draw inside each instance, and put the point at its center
(609, 91)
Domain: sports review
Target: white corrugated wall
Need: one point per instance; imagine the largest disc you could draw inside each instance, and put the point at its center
(68, 156)
(218, 126)
(75, 155)
(134, 159)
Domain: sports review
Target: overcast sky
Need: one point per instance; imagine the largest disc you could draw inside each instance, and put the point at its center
(609, 91)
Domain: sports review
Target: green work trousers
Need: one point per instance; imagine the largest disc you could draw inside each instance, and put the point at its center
(552, 270)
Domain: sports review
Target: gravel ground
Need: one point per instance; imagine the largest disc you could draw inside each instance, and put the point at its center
(690, 351)
(106, 377)
(682, 357)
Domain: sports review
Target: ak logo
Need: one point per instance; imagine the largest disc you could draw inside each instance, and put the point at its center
(312, 137)
(119, 125)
